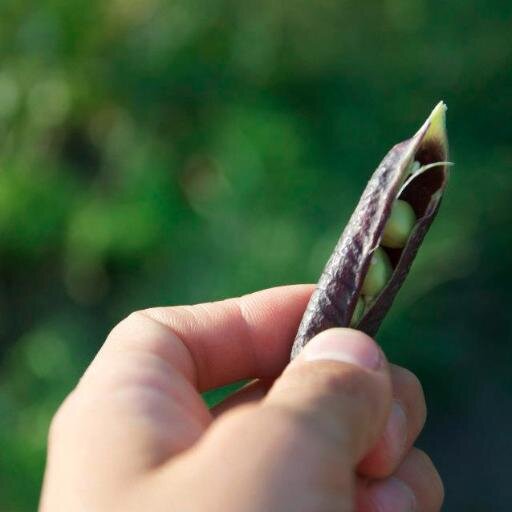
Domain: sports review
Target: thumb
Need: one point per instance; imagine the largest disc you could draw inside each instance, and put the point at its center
(340, 388)
(298, 448)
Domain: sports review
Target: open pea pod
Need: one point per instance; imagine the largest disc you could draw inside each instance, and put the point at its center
(415, 172)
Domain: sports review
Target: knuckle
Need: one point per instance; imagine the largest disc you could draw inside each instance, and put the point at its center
(144, 329)
(127, 323)
(338, 392)
(124, 326)
(281, 433)
(406, 383)
(406, 379)
(435, 484)
(336, 387)
(414, 384)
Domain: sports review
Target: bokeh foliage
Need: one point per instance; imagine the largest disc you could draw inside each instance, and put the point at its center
(156, 152)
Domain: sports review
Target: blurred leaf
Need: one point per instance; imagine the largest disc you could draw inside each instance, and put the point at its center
(159, 152)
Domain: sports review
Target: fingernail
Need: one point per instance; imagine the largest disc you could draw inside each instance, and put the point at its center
(396, 429)
(393, 495)
(346, 346)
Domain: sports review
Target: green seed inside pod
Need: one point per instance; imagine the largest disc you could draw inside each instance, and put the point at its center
(399, 225)
(378, 274)
(412, 168)
(415, 165)
(358, 312)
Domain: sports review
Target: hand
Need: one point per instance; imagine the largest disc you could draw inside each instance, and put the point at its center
(334, 432)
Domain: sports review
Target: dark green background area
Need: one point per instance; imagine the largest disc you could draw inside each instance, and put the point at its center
(156, 152)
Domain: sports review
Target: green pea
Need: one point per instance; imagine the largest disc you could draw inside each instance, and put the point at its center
(378, 274)
(358, 312)
(368, 299)
(399, 225)
(414, 167)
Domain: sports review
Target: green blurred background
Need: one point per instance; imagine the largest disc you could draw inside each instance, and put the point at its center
(164, 152)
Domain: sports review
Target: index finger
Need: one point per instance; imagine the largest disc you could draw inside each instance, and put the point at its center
(216, 343)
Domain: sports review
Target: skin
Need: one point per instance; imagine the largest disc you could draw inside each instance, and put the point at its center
(331, 431)
(399, 225)
(378, 274)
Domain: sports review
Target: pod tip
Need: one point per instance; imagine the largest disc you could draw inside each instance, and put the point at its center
(437, 123)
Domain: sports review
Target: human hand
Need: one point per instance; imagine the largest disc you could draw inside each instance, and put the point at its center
(334, 432)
